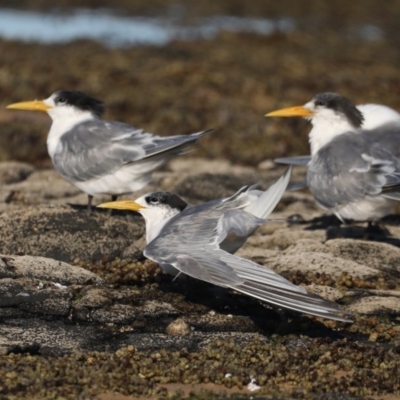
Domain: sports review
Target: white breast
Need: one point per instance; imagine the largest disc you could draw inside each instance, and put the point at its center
(370, 208)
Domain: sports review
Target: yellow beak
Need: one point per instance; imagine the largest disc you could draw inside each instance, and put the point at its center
(36, 105)
(298, 111)
(122, 205)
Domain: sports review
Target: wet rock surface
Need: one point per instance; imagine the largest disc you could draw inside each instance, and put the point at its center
(94, 304)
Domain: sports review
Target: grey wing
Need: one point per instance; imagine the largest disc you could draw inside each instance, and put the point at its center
(188, 239)
(239, 224)
(189, 242)
(388, 136)
(95, 148)
(298, 160)
(297, 185)
(226, 270)
(264, 284)
(350, 167)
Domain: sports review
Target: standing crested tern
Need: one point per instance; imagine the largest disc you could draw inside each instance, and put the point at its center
(349, 173)
(102, 157)
(199, 241)
(380, 122)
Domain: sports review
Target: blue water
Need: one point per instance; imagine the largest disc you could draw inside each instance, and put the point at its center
(119, 31)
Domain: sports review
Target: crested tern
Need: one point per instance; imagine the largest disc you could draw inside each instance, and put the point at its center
(200, 241)
(98, 156)
(349, 173)
(380, 122)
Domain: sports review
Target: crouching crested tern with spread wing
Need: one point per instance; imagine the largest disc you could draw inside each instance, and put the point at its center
(102, 157)
(349, 172)
(200, 241)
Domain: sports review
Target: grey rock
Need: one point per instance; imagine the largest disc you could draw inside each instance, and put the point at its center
(48, 302)
(49, 337)
(381, 256)
(65, 234)
(115, 314)
(46, 269)
(376, 305)
(319, 263)
(11, 292)
(94, 298)
(14, 172)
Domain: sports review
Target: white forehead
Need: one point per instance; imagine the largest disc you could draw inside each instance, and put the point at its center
(141, 200)
(310, 105)
(50, 101)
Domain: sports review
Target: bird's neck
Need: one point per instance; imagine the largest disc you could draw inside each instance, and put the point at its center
(153, 229)
(156, 221)
(62, 125)
(323, 132)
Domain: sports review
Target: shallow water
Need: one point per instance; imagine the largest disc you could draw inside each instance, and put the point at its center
(119, 31)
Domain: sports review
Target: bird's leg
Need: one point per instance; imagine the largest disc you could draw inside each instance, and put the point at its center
(114, 197)
(176, 276)
(89, 205)
(374, 229)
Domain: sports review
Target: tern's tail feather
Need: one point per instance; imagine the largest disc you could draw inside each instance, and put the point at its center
(267, 202)
(174, 145)
(391, 191)
(299, 160)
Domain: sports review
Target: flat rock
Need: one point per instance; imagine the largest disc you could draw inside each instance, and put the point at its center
(327, 292)
(45, 269)
(319, 263)
(376, 304)
(65, 234)
(381, 256)
(14, 171)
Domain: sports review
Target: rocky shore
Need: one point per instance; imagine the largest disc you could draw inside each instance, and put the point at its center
(84, 314)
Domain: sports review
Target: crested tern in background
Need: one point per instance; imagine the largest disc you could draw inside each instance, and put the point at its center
(199, 241)
(380, 122)
(349, 173)
(102, 157)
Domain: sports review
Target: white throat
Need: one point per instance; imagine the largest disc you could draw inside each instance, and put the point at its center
(326, 129)
(62, 123)
(156, 218)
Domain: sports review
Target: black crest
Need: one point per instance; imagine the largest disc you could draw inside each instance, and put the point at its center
(341, 105)
(166, 198)
(79, 100)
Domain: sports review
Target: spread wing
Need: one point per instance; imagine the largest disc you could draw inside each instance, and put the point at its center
(190, 243)
(238, 225)
(187, 239)
(96, 148)
(350, 167)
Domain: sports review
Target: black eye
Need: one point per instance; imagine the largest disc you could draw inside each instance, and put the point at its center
(61, 100)
(151, 200)
(320, 103)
